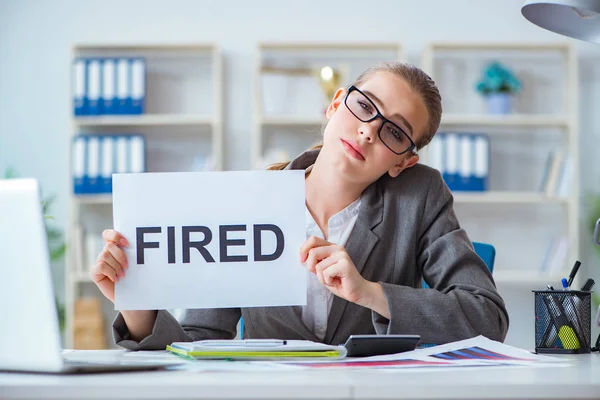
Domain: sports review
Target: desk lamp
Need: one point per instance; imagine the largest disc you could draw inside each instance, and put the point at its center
(579, 19)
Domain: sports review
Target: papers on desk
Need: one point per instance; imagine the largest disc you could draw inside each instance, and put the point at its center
(478, 351)
(256, 349)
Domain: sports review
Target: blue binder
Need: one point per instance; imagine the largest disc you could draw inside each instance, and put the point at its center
(108, 162)
(137, 153)
(466, 157)
(79, 87)
(92, 179)
(481, 170)
(78, 155)
(138, 85)
(122, 162)
(451, 155)
(123, 86)
(109, 86)
(94, 84)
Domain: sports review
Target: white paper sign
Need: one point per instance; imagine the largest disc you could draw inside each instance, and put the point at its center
(211, 239)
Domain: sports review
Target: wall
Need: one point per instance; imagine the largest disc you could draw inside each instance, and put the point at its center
(36, 37)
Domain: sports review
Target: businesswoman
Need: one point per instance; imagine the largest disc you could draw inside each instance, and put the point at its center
(377, 223)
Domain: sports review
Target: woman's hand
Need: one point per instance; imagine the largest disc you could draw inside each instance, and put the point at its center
(335, 270)
(110, 264)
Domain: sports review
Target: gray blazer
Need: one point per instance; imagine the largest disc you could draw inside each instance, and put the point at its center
(406, 230)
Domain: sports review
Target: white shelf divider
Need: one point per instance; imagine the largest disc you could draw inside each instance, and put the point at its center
(93, 199)
(145, 120)
(291, 120)
(511, 120)
(507, 198)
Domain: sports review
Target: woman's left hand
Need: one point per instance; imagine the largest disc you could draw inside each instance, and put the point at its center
(335, 270)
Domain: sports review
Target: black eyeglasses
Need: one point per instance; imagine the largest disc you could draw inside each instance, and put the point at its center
(390, 134)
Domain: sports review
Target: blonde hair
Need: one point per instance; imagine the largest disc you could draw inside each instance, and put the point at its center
(419, 82)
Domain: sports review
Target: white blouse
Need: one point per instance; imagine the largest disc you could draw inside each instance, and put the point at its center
(319, 298)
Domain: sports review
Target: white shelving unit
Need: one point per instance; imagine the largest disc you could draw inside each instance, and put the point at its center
(301, 122)
(180, 109)
(561, 121)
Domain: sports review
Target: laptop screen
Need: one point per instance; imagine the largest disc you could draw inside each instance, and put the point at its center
(30, 334)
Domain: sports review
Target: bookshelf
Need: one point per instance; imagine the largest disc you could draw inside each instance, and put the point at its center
(182, 120)
(545, 117)
(288, 101)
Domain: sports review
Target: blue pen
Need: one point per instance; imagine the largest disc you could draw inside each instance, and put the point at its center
(565, 284)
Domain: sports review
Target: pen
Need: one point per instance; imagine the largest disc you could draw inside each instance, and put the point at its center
(565, 284)
(573, 272)
(245, 343)
(589, 284)
(550, 287)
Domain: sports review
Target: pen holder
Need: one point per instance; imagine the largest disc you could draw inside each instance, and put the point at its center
(562, 321)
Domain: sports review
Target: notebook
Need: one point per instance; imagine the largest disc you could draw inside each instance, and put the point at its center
(256, 349)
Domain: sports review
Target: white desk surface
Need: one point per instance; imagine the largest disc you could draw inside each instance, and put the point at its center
(580, 381)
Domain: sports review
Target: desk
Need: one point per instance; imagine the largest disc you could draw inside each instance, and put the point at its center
(580, 381)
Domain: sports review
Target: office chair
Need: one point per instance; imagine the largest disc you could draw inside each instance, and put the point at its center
(487, 252)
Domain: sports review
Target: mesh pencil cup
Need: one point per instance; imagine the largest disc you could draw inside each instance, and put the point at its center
(562, 321)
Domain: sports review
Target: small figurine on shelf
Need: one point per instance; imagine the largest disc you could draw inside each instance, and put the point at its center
(498, 85)
(330, 80)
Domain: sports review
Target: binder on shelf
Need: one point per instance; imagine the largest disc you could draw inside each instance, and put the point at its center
(563, 188)
(138, 85)
(109, 87)
(466, 170)
(435, 153)
(108, 163)
(94, 81)
(553, 173)
(78, 164)
(92, 173)
(79, 87)
(137, 152)
(464, 160)
(451, 161)
(95, 158)
(123, 86)
(482, 163)
(122, 166)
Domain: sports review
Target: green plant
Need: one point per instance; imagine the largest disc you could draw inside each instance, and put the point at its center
(56, 243)
(593, 205)
(498, 79)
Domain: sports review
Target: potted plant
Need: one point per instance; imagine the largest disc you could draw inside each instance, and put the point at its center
(498, 85)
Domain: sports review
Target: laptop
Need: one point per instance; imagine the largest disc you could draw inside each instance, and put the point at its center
(29, 333)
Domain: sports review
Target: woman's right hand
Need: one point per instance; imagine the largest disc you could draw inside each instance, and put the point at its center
(111, 263)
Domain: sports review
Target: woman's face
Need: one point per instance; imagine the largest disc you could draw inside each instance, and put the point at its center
(354, 147)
